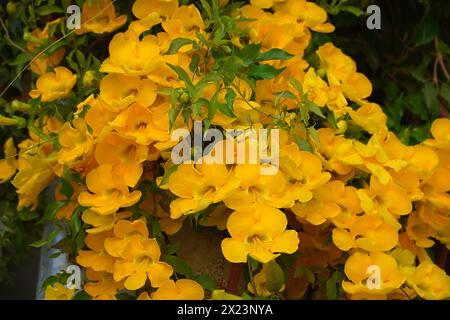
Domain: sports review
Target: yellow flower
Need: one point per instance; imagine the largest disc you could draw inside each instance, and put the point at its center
(144, 125)
(8, 165)
(98, 116)
(184, 22)
(109, 193)
(96, 258)
(58, 292)
(387, 201)
(370, 233)
(183, 289)
(124, 155)
(370, 117)
(99, 16)
(430, 282)
(54, 85)
(264, 4)
(315, 88)
(100, 222)
(76, 142)
(41, 63)
(312, 15)
(120, 91)
(326, 203)
(198, 186)
(165, 8)
(138, 256)
(356, 269)
(258, 231)
(101, 285)
(341, 71)
(131, 56)
(34, 174)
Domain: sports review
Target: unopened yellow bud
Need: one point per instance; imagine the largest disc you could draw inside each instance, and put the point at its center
(11, 8)
(341, 126)
(17, 105)
(89, 79)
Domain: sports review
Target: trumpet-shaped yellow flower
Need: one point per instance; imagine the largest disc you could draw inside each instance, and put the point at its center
(198, 186)
(315, 88)
(119, 91)
(99, 16)
(54, 85)
(109, 193)
(76, 142)
(371, 117)
(58, 292)
(369, 233)
(34, 174)
(101, 285)
(430, 281)
(341, 71)
(124, 155)
(183, 289)
(388, 202)
(258, 231)
(8, 165)
(184, 22)
(357, 271)
(131, 56)
(96, 258)
(101, 223)
(165, 8)
(327, 202)
(145, 125)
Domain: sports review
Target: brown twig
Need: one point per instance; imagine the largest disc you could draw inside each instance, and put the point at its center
(440, 59)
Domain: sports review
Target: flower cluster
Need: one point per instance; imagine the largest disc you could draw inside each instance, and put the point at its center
(347, 192)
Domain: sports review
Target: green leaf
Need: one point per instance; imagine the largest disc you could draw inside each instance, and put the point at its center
(431, 98)
(81, 295)
(353, 10)
(66, 189)
(27, 215)
(51, 210)
(314, 108)
(75, 221)
(227, 109)
(302, 143)
(43, 242)
(183, 76)
(167, 174)
(274, 54)
(275, 277)
(285, 94)
(172, 248)
(332, 286)
(177, 44)
(263, 71)
(445, 92)
(195, 62)
(250, 53)
(179, 265)
(46, 10)
(206, 281)
(426, 30)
